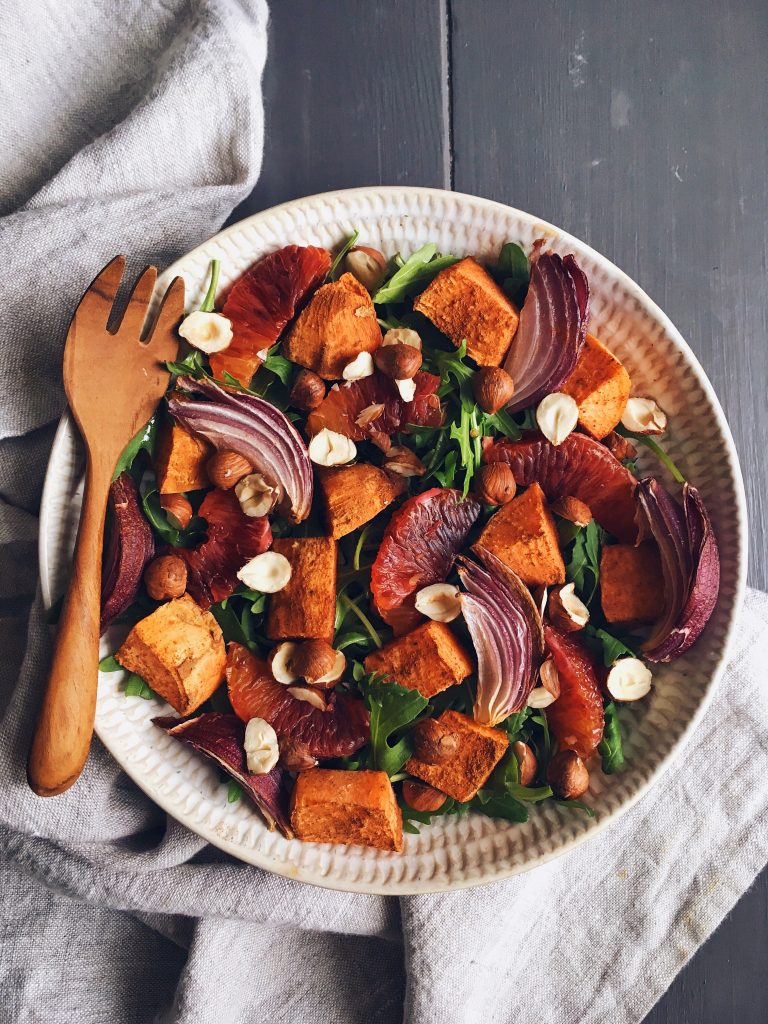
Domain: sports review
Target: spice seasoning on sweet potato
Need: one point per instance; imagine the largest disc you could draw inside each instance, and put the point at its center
(631, 583)
(353, 495)
(330, 806)
(600, 387)
(428, 659)
(180, 460)
(523, 536)
(480, 750)
(306, 607)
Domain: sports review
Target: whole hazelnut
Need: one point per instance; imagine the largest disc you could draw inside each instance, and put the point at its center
(177, 509)
(566, 610)
(399, 362)
(166, 577)
(227, 468)
(367, 265)
(314, 660)
(493, 388)
(495, 484)
(620, 447)
(574, 510)
(526, 762)
(421, 797)
(294, 755)
(433, 743)
(567, 775)
(308, 391)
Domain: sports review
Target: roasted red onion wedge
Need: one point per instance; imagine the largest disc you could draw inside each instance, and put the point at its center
(506, 631)
(253, 428)
(690, 562)
(221, 737)
(131, 547)
(552, 330)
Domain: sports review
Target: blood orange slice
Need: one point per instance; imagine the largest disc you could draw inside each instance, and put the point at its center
(372, 406)
(419, 546)
(262, 302)
(233, 539)
(576, 718)
(338, 730)
(578, 468)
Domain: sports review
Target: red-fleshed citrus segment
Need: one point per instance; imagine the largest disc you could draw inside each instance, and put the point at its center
(338, 730)
(262, 302)
(419, 546)
(371, 407)
(576, 718)
(233, 539)
(578, 468)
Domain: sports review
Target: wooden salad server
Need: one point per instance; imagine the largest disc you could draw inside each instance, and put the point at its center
(113, 382)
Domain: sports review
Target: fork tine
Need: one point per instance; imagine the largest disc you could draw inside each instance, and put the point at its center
(138, 302)
(163, 338)
(96, 304)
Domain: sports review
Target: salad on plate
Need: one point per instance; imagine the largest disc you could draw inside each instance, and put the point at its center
(384, 549)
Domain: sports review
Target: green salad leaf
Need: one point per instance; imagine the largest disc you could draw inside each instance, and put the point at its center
(337, 260)
(279, 365)
(144, 440)
(576, 805)
(391, 708)
(110, 664)
(192, 365)
(234, 791)
(610, 647)
(413, 275)
(512, 272)
(582, 566)
(208, 305)
(499, 805)
(611, 748)
(136, 687)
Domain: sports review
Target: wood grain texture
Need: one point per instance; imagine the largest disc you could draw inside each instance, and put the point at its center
(639, 128)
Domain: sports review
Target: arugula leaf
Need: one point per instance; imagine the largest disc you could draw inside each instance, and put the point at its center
(344, 605)
(502, 423)
(605, 643)
(238, 628)
(391, 707)
(413, 274)
(582, 567)
(279, 365)
(144, 440)
(109, 664)
(512, 272)
(515, 723)
(499, 805)
(136, 687)
(192, 365)
(158, 520)
(234, 791)
(208, 304)
(611, 748)
(331, 275)
(576, 805)
(410, 816)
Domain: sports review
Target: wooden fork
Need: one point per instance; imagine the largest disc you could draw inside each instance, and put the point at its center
(113, 382)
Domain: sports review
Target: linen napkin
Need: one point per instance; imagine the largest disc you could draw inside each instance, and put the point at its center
(141, 130)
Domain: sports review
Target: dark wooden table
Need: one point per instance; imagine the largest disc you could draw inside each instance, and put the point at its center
(638, 127)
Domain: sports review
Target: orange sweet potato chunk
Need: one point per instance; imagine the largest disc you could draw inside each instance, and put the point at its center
(464, 301)
(179, 651)
(480, 750)
(339, 323)
(523, 535)
(631, 583)
(600, 387)
(330, 806)
(353, 495)
(306, 608)
(428, 659)
(180, 460)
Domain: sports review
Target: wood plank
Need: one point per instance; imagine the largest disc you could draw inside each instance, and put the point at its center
(639, 128)
(354, 95)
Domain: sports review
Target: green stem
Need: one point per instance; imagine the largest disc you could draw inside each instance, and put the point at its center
(209, 302)
(352, 607)
(662, 456)
(359, 546)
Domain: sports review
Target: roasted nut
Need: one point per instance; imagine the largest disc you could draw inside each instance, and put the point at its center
(311, 694)
(280, 660)
(210, 332)
(260, 745)
(403, 462)
(567, 611)
(317, 662)
(226, 468)
(549, 677)
(493, 388)
(567, 775)
(256, 495)
(295, 756)
(369, 414)
(177, 509)
(557, 416)
(367, 265)
(526, 762)
(620, 447)
(399, 362)
(329, 448)
(440, 602)
(361, 366)
(308, 391)
(268, 572)
(433, 744)
(422, 797)
(495, 484)
(629, 679)
(573, 510)
(166, 577)
(402, 336)
(643, 416)
(407, 388)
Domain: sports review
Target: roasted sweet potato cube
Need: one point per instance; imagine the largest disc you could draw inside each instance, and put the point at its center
(480, 750)
(631, 583)
(338, 324)
(330, 806)
(180, 460)
(428, 659)
(179, 651)
(464, 301)
(353, 495)
(523, 535)
(600, 387)
(306, 608)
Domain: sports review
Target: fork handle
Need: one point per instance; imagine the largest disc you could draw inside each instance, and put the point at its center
(65, 727)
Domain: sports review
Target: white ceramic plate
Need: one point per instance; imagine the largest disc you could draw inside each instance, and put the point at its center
(476, 849)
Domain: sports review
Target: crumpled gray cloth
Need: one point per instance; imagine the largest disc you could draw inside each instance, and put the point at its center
(140, 130)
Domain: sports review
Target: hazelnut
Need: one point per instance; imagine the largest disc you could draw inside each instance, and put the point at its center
(526, 761)
(403, 462)
(256, 495)
(493, 388)
(366, 264)
(311, 694)
(177, 510)
(402, 336)
(421, 797)
(294, 755)
(308, 391)
(567, 775)
(260, 745)
(329, 448)
(210, 332)
(166, 577)
(433, 744)
(369, 414)
(280, 660)
(495, 484)
(629, 679)
(567, 611)
(557, 416)
(399, 362)
(317, 662)
(440, 602)
(268, 572)
(407, 389)
(226, 468)
(573, 510)
(620, 447)
(360, 367)
(643, 416)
